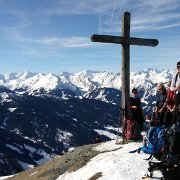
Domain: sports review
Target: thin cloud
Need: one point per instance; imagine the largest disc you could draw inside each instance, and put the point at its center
(66, 42)
(82, 7)
(71, 42)
(149, 15)
(145, 13)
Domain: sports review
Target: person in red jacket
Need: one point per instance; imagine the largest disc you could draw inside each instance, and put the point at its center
(169, 105)
(170, 100)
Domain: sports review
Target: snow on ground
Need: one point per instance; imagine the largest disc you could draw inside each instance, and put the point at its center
(45, 158)
(33, 173)
(110, 146)
(5, 177)
(113, 128)
(41, 152)
(25, 165)
(5, 97)
(106, 133)
(4, 124)
(14, 148)
(12, 109)
(62, 136)
(30, 148)
(115, 163)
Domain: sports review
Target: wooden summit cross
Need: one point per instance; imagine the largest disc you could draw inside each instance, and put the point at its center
(126, 41)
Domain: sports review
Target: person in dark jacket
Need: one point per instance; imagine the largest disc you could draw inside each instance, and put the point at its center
(177, 104)
(161, 96)
(136, 115)
(176, 107)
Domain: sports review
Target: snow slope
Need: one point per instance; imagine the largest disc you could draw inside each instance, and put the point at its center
(115, 162)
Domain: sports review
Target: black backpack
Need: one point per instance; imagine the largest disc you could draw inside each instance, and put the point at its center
(172, 139)
(169, 163)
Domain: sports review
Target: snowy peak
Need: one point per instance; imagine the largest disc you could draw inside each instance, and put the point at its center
(84, 82)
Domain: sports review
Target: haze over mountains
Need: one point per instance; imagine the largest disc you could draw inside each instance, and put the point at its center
(44, 115)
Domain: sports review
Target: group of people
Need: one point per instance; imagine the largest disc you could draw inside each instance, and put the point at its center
(167, 110)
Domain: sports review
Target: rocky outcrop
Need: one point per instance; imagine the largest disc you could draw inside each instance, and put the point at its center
(70, 161)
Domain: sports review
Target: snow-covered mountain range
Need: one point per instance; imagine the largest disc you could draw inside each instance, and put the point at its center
(102, 86)
(83, 82)
(51, 113)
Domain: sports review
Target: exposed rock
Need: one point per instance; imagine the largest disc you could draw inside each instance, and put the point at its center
(70, 161)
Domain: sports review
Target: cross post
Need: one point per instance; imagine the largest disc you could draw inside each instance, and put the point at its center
(125, 41)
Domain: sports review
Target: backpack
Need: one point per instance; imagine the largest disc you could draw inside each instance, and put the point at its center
(155, 142)
(172, 139)
(169, 163)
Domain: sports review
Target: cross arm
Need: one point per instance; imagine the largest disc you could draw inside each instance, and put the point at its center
(143, 42)
(123, 40)
(106, 39)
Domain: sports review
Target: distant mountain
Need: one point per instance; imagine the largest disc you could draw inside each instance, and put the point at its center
(36, 127)
(18, 153)
(42, 116)
(102, 86)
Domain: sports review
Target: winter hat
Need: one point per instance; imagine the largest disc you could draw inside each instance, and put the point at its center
(178, 64)
(134, 90)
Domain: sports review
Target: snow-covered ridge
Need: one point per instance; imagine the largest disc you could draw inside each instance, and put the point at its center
(85, 81)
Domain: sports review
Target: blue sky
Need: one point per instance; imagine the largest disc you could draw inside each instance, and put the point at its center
(54, 35)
